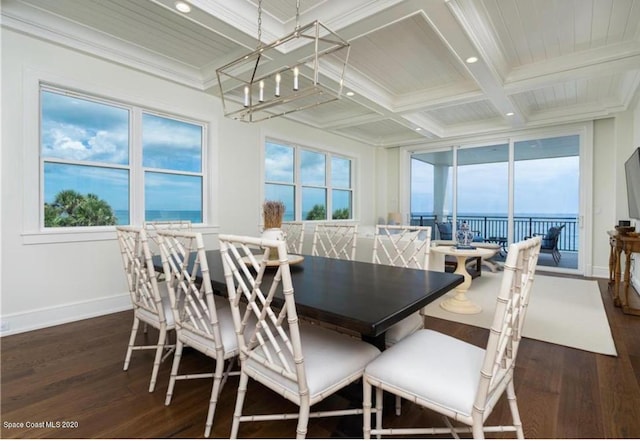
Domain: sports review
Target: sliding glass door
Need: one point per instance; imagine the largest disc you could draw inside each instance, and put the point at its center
(546, 197)
(483, 191)
(506, 191)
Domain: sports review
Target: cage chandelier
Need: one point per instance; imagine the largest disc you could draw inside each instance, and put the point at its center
(286, 76)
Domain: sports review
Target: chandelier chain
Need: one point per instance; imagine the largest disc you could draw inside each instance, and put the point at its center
(259, 24)
(297, 14)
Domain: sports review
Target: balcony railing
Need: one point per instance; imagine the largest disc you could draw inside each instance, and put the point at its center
(495, 227)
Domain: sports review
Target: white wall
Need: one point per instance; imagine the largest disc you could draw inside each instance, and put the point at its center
(44, 284)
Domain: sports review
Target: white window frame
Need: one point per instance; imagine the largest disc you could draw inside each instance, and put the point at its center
(298, 186)
(33, 185)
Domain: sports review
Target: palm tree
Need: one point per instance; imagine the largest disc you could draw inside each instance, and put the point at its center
(317, 213)
(72, 209)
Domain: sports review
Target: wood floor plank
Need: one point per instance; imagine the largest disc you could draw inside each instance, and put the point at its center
(73, 372)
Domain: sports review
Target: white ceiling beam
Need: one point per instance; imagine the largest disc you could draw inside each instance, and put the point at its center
(448, 20)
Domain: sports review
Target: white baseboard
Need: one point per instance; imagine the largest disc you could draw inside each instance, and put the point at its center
(600, 272)
(58, 315)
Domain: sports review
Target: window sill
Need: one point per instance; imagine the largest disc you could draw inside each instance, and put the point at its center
(89, 234)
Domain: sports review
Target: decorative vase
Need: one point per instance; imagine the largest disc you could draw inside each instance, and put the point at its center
(464, 236)
(273, 234)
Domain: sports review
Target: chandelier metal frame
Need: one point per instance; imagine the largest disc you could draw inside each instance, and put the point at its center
(291, 74)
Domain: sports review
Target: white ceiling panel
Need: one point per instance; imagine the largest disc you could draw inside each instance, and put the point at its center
(547, 61)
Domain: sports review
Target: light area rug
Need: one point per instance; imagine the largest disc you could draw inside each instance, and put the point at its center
(562, 311)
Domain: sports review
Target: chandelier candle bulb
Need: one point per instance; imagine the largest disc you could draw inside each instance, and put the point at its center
(246, 96)
(295, 78)
(261, 96)
(277, 84)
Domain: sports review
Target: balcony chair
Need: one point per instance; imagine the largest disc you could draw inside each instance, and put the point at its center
(203, 320)
(335, 240)
(550, 242)
(293, 236)
(149, 306)
(406, 246)
(454, 378)
(302, 362)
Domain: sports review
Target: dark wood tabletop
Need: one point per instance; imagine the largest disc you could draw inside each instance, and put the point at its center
(364, 297)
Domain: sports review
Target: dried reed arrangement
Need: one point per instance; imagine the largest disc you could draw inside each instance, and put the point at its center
(273, 212)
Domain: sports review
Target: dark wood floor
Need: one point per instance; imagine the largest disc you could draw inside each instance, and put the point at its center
(72, 375)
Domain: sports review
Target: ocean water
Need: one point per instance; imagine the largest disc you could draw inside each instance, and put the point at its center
(195, 216)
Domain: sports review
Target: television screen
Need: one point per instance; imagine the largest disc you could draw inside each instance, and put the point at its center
(632, 171)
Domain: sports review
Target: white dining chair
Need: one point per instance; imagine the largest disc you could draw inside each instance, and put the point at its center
(203, 320)
(149, 306)
(408, 247)
(459, 380)
(302, 362)
(293, 236)
(336, 240)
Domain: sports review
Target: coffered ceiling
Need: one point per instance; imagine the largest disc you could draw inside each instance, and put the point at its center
(539, 62)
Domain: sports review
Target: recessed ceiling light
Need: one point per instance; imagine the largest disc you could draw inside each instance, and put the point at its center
(183, 7)
(471, 60)
(509, 113)
(350, 93)
(418, 129)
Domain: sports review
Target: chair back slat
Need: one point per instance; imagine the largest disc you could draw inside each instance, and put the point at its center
(152, 227)
(402, 245)
(506, 329)
(273, 336)
(335, 240)
(189, 284)
(294, 236)
(138, 267)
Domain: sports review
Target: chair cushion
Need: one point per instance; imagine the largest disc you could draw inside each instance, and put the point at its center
(403, 328)
(329, 359)
(431, 367)
(227, 332)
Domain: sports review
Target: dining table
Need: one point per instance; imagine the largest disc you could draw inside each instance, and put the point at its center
(362, 297)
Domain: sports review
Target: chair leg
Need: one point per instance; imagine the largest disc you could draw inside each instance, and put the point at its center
(513, 406)
(162, 339)
(174, 371)
(303, 418)
(366, 409)
(215, 393)
(237, 413)
(478, 430)
(379, 401)
(132, 340)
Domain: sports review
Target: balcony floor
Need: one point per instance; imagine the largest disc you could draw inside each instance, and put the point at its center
(568, 260)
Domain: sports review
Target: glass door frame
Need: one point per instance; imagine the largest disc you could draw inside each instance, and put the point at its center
(585, 204)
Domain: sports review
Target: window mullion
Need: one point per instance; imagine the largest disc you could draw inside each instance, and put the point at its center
(136, 172)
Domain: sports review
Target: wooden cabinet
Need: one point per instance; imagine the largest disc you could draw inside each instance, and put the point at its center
(622, 246)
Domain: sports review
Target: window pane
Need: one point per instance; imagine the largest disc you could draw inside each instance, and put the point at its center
(341, 204)
(83, 130)
(314, 203)
(171, 144)
(340, 173)
(278, 163)
(78, 195)
(431, 187)
(284, 193)
(483, 171)
(172, 197)
(312, 168)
